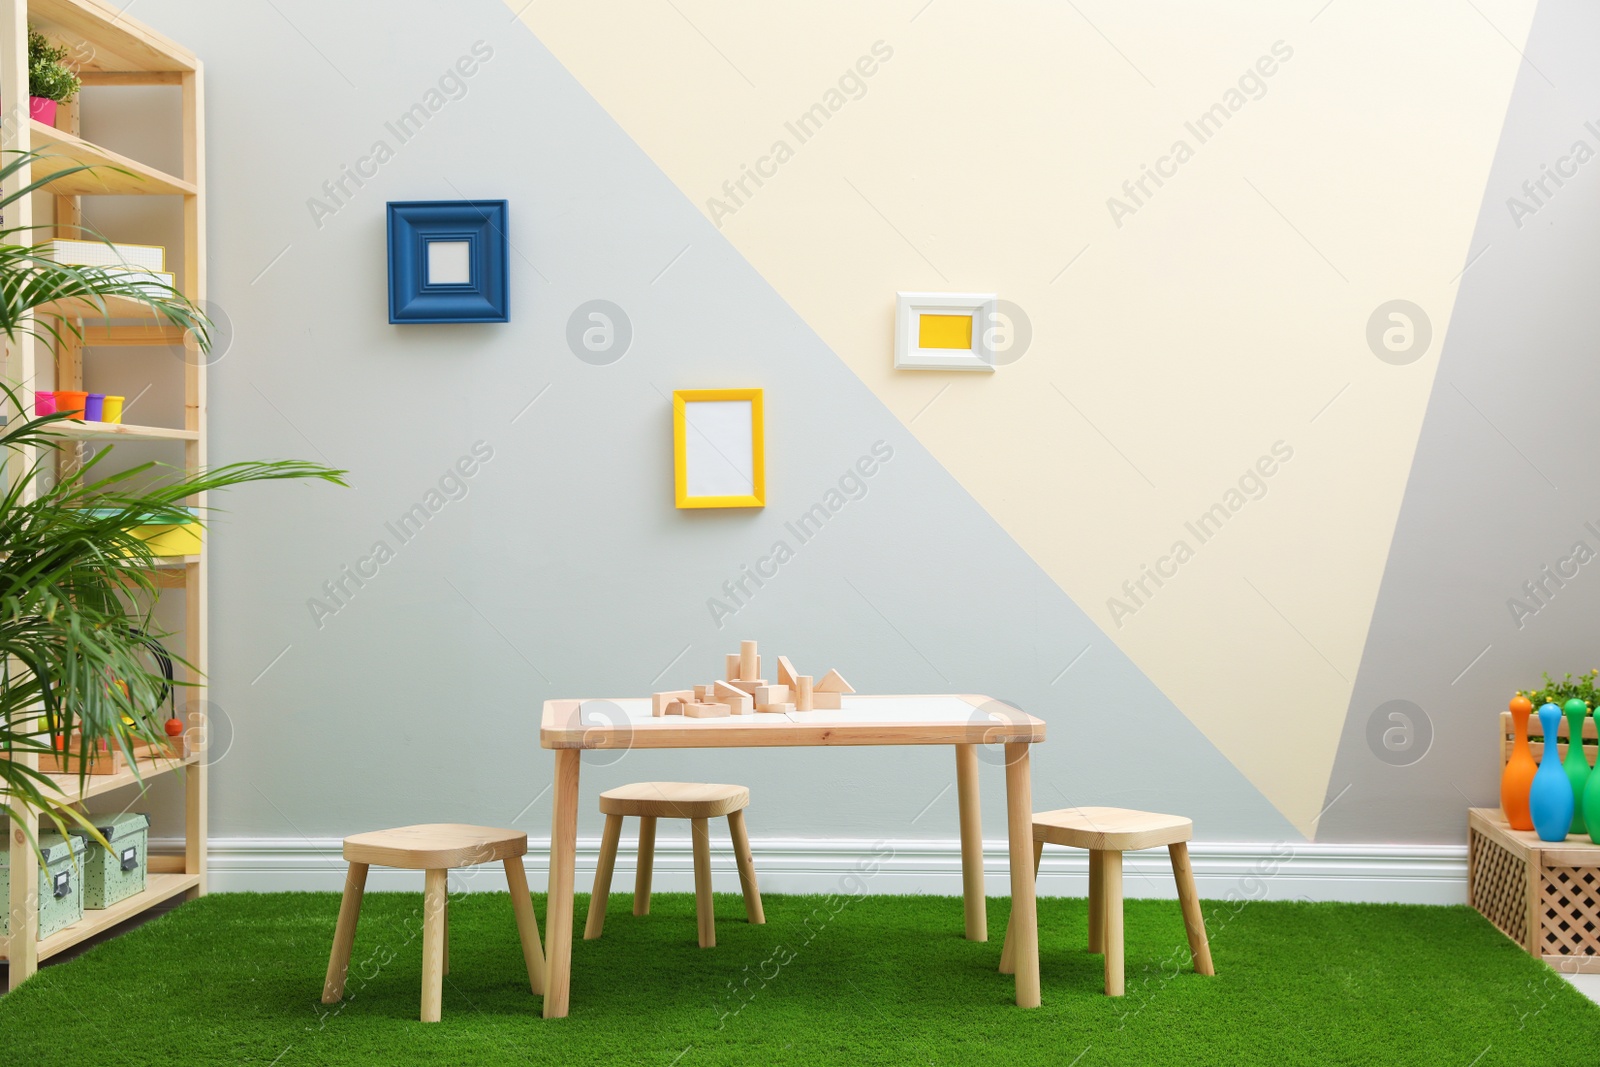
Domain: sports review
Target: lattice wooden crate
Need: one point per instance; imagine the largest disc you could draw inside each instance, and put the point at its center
(1544, 895)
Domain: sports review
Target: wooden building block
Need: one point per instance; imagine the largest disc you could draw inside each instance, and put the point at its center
(750, 686)
(706, 711)
(802, 693)
(736, 699)
(659, 701)
(674, 707)
(775, 709)
(825, 701)
(749, 662)
(786, 675)
(732, 672)
(833, 682)
(771, 694)
(702, 694)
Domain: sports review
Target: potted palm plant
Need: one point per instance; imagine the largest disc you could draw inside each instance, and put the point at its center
(77, 589)
(50, 80)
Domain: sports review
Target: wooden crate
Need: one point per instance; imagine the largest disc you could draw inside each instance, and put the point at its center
(1544, 895)
(1591, 739)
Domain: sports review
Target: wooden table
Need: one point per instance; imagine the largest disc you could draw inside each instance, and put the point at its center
(965, 721)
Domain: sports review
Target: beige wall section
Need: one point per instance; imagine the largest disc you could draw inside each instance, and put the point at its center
(1222, 316)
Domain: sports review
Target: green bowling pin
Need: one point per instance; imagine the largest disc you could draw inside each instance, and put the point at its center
(1591, 807)
(1576, 764)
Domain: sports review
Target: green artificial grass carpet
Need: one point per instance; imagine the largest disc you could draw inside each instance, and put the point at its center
(237, 979)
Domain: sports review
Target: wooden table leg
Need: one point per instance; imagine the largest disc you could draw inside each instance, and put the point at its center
(446, 933)
(527, 922)
(971, 842)
(646, 867)
(1024, 911)
(344, 935)
(434, 898)
(558, 906)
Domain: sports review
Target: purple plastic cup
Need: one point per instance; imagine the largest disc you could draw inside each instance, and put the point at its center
(94, 407)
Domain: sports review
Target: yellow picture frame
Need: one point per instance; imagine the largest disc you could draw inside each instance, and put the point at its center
(709, 444)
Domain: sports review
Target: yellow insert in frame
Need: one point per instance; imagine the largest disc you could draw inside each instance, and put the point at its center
(944, 331)
(719, 449)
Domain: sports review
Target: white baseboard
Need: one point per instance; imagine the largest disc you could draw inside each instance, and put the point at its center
(1413, 874)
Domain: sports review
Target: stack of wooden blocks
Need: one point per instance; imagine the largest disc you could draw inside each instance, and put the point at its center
(745, 692)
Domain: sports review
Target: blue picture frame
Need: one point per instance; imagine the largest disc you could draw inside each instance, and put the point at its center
(481, 225)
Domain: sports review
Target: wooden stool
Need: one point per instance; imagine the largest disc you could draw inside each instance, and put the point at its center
(674, 800)
(1107, 833)
(434, 848)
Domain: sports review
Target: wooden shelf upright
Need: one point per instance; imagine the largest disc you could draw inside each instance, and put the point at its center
(110, 49)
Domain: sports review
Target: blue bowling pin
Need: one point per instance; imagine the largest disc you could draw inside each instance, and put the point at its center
(1550, 798)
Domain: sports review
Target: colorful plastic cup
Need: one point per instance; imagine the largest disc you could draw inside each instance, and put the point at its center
(71, 401)
(44, 402)
(94, 406)
(112, 410)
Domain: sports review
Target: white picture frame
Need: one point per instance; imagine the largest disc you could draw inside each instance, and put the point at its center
(912, 329)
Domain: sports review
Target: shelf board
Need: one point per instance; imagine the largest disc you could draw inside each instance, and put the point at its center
(62, 150)
(118, 43)
(158, 887)
(95, 784)
(108, 307)
(170, 563)
(118, 431)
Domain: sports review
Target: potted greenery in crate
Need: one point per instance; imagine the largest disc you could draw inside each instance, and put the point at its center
(50, 80)
(76, 586)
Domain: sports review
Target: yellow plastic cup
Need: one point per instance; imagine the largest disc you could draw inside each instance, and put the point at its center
(112, 411)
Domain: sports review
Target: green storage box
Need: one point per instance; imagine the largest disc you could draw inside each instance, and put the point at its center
(60, 883)
(120, 873)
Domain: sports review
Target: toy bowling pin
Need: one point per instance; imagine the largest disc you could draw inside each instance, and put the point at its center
(1576, 764)
(1550, 796)
(1520, 769)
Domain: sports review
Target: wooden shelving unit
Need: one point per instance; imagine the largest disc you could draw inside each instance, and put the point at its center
(117, 51)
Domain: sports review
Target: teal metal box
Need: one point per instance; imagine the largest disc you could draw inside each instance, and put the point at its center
(60, 884)
(110, 876)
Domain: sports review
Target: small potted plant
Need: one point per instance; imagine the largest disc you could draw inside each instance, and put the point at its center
(50, 80)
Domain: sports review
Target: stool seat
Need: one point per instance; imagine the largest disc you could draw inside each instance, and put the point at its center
(1118, 829)
(674, 800)
(435, 846)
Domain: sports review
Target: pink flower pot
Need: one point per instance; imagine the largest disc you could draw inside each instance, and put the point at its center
(42, 110)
